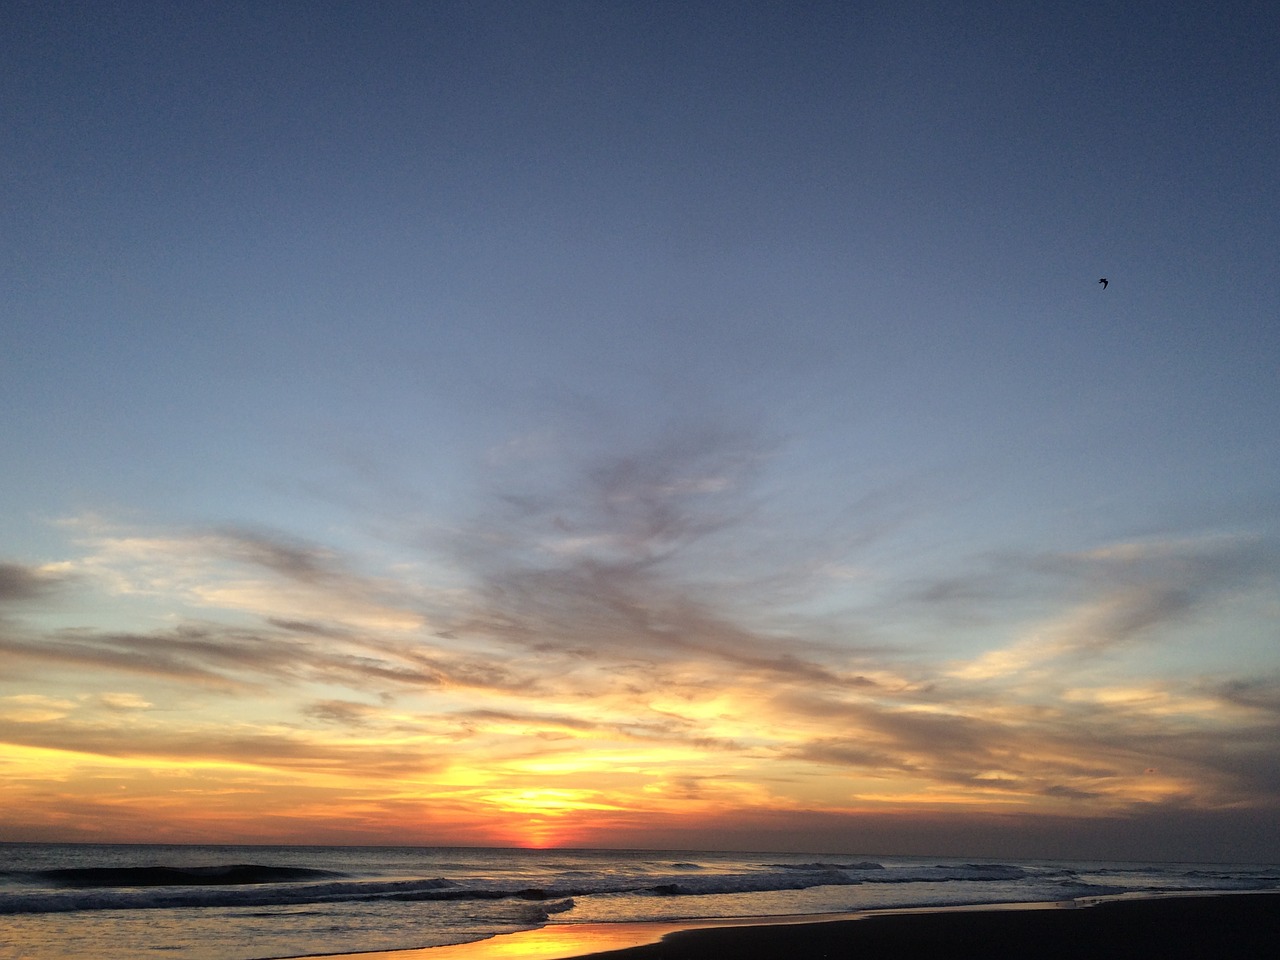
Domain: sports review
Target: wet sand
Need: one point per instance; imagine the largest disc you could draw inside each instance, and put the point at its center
(1221, 927)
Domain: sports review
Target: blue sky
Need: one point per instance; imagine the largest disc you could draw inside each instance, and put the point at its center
(494, 325)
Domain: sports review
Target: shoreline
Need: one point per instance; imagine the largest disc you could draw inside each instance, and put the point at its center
(1227, 925)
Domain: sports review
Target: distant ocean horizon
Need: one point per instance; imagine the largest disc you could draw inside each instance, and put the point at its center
(214, 902)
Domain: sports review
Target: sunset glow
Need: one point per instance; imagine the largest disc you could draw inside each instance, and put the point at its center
(342, 726)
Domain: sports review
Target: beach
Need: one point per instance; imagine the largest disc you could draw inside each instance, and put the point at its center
(1221, 927)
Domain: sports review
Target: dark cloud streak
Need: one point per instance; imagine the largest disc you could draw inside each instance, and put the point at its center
(20, 582)
(242, 660)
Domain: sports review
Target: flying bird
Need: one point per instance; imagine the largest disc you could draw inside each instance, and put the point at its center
(1103, 281)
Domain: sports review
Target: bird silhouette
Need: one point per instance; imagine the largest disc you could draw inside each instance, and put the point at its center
(1103, 281)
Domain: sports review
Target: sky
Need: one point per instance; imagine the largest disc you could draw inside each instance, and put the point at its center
(647, 425)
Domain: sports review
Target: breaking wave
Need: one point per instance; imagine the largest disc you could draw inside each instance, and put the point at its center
(254, 885)
(249, 885)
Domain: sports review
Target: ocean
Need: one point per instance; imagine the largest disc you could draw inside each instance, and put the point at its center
(122, 902)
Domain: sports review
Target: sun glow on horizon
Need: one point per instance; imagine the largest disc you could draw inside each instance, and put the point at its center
(599, 706)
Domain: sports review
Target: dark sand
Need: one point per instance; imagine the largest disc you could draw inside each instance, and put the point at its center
(1225, 927)
(1206, 928)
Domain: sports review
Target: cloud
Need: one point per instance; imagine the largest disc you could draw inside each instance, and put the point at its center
(292, 559)
(848, 752)
(1259, 693)
(638, 558)
(1109, 598)
(21, 582)
(236, 659)
(643, 506)
(267, 575)
(34, 708)
(1093, 627)
(124, 701)
(346, 713)
(193, 745)
(618, 636)
(1101, 748)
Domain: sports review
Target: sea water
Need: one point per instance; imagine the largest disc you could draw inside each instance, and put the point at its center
(122, 902)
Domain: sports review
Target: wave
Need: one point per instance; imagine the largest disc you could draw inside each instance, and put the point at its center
(261, 894)
(819, 865)
(221, 875)
(248, 885)
(252, 885)
(750, 883)
(80, 892)
(944, 873)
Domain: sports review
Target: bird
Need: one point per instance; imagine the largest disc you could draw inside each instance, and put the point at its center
(1103, 281)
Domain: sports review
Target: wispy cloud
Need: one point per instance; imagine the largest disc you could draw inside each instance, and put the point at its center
(614, 644)
(1111, 597)
(231, 658)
